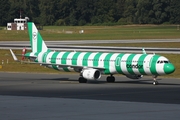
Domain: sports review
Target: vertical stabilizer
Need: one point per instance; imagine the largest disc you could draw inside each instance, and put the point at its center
(36, 41)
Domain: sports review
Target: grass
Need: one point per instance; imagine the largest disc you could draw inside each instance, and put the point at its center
(143, 45)
(97, 33)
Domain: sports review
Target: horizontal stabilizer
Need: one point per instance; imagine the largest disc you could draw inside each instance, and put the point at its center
(13, 55)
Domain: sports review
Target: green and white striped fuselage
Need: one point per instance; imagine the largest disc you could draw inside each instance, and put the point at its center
(108, 63)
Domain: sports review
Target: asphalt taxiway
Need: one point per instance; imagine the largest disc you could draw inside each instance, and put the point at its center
(61, 96)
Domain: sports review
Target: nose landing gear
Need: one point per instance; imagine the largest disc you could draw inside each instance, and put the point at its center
(155, 82)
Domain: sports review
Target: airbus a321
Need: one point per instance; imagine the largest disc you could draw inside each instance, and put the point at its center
(91, 65)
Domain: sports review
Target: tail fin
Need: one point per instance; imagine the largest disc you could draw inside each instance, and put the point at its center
(36, 41)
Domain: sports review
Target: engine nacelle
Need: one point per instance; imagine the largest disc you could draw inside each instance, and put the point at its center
(91, 74)
(134, 76)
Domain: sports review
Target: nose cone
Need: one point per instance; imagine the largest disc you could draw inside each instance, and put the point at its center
(169, 68)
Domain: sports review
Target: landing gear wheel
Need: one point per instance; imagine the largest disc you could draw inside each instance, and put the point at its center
(110, 79)
(82, 80)
(155, 83)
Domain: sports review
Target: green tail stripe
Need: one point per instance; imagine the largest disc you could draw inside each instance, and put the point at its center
(39, 46)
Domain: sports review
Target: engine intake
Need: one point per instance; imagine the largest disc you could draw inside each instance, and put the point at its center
(91, 74)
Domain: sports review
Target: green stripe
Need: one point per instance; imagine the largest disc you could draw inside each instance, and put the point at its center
(118, 65)
(36, 54)
(44, 57)
(130, 63)
(64, 57)
(153, 62)
(66, 69)
(64, 60)
(75, 57)
(140, 62)
(85, 59)
(39, 42)
(107, 63)
(96, 59)
(53, 60)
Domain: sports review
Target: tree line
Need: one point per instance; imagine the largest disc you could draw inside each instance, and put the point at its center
(92, 12)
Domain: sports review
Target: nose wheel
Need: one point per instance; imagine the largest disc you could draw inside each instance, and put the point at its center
(155, 82)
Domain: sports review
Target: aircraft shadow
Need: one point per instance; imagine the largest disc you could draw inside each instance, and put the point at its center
(147, 81)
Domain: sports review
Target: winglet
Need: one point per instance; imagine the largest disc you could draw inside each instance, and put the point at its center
(143, 50)
(13, 55)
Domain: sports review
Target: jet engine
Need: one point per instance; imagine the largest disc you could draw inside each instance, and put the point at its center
(134, 76)
(91, 74)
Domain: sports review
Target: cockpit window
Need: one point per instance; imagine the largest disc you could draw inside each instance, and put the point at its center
(166, 61)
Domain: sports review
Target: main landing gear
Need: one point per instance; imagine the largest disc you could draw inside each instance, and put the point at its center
(110, 79)
(155, 82)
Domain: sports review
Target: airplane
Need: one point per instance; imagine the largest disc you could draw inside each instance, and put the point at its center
(91, 65)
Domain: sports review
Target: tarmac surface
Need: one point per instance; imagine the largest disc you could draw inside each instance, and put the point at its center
(60, 96)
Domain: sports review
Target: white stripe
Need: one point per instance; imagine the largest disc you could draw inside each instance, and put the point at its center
(59, 56)
(69, 58)
(90, 59)
(44, 47)
(40, 58)
(146, 64)
(101, 58)
(80, 58)
(49, 56)
(160, 66)
(34, 38)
